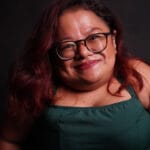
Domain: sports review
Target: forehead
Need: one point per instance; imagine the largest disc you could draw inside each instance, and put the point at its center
(80, 20)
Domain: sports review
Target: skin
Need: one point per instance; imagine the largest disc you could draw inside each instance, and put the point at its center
(88, 81)
(88, 74)
(85, 78)
(144, 94)
(85, 72)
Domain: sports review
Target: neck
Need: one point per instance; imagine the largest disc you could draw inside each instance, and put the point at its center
(70, 97)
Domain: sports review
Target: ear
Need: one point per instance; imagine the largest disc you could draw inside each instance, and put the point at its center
(114, 38)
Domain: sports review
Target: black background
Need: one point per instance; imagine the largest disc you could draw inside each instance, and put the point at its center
(17, 19)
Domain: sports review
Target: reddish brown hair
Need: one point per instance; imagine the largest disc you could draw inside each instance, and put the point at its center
(31, 84)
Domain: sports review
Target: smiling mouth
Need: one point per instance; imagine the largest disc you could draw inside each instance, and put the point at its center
(87, 64)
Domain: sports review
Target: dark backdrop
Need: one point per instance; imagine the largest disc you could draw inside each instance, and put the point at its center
(17, 18)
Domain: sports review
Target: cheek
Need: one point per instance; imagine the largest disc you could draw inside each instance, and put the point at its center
(111, 50)
(109, 54)
(64, 69)
(65, 66)
(109, 58)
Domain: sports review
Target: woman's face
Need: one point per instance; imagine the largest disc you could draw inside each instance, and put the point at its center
(87, 70)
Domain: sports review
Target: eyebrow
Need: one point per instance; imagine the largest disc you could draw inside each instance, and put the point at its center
(94, 29)
(87, 33)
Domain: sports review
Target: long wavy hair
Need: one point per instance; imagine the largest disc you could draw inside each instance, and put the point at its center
(33, 79)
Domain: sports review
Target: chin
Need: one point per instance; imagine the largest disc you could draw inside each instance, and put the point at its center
(83, 85)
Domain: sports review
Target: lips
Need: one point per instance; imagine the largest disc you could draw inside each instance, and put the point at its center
(87, 64)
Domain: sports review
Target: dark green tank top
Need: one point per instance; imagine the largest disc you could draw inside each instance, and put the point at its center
(120, 126)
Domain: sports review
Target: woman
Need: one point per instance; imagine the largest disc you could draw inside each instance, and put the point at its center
(76, 87)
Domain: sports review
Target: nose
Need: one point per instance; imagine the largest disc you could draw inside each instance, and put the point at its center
(82, 50)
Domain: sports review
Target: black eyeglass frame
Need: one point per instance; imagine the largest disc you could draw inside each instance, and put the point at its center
(106, 34)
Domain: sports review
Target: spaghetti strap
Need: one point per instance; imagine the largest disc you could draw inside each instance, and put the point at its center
(132, 92)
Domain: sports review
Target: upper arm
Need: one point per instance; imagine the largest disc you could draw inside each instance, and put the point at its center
(144, 70)
(4, 145)
(12, 133)
(8, 138)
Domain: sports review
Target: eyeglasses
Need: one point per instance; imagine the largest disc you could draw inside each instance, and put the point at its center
(95, 43)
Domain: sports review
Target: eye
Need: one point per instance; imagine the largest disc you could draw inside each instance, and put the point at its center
(94, 37)
(65, 46)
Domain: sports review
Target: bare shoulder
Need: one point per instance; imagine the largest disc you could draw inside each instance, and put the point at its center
(141, 67)
(144, 70)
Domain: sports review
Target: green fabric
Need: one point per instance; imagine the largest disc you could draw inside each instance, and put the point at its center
(121, 126)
